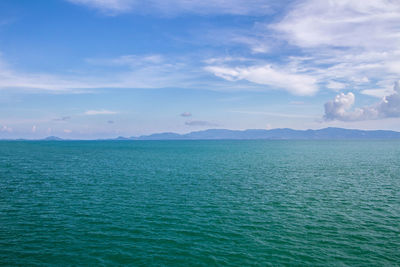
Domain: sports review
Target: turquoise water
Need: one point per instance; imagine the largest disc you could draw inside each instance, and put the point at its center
(200, 203)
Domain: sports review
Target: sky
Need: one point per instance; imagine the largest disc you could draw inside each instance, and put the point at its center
(85, 69)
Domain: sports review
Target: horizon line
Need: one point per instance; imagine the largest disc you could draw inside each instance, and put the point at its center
(137, 138)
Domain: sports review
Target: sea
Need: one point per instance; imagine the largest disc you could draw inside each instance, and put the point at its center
(200, 203)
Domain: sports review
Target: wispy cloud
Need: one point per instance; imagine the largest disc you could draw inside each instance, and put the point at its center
(130, 71)
(10, 78)
(323, 44)
(110, 7)
(274, 114)
(139, 72)
(347, 24)
(346, 42)
(128, 60)
(100, 112)
(336, 85)
(296, 83)
(176, 7)
(200, 123)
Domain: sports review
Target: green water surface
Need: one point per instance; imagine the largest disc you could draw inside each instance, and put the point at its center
(200, 203)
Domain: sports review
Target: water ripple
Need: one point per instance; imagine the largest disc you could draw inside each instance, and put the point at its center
(200, 203)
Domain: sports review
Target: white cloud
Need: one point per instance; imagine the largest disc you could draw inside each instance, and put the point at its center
(100, 112)
(343, 23)
(34, 129)
(138, 72)
(11, 78)
(340, 108)
(379, 93)
(336, 85)
(130, 71)
(300, 84)
(257, 46)
(227, 59)
(107, 6)
(354, 41)
(128, 60)
(174, 7)
(340, 44)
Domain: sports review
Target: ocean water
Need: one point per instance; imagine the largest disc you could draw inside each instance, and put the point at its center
(200, 203)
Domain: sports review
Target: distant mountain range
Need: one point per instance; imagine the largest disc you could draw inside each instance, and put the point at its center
(259, 134)
(274, 134)
(52, 138)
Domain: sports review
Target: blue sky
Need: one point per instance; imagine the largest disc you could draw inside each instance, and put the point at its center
(104, 68)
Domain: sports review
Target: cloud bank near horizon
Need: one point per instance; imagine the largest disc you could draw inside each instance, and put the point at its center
(340, 108)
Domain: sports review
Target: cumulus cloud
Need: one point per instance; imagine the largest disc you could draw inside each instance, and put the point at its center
(186, 114)
(340, 108)
(200, 123)
(175, 7)
(300, 84)
(100, 112)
